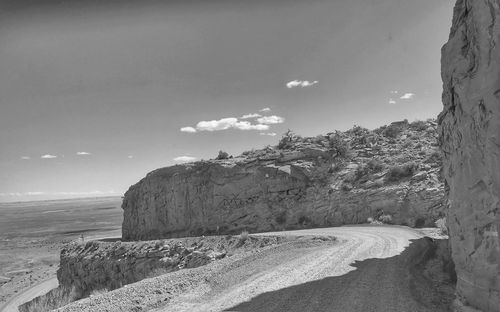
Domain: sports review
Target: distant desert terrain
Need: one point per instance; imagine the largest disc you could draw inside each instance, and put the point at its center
(32, 234)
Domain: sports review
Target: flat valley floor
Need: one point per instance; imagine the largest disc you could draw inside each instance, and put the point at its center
(32, 234)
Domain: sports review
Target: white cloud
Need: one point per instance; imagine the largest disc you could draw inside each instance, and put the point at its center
(25, 157)
(83, 153)
(394, 92)
(265, 109)
(271, 120)
(228, 123)
(184, 159)
(130, 156)
(48, 156)
(268, 133)
(300, 83)
(248, 116)
(407, 96)
(188, 129)
(391, 101)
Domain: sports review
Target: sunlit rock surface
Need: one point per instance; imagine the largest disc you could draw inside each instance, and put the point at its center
(470, 135)
(391, 173)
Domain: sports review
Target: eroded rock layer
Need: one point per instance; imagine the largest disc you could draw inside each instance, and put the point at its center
(391, 174)
(470, 135)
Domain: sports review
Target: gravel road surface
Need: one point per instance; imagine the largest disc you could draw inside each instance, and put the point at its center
(321, 279)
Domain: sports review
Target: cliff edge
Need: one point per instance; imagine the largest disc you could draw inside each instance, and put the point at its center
(470, 139)
(391, 174)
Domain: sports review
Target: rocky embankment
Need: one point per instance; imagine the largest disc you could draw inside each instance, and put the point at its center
(470, 136)
(96, 267)
(391, 173)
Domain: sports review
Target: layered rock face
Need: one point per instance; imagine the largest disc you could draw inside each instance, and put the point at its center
(391, 174)
(470, 135)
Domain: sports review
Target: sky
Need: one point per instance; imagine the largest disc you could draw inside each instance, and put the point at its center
(95, 94)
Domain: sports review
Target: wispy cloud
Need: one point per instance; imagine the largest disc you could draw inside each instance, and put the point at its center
(394, 92)
(268, 133)
(48, 156)
(25, 157)
(188, 129)
(300, 83)
(270, 120)
(83, 153)
(130, 156)
(407, 96)
(391, 101)
(228, 123)
(248, 116)
(184, 159)
(265, 109)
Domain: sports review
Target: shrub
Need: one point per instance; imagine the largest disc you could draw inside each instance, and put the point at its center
(340, 146)
(441, 225)
(385, 218)
(392, 131)
(401, 171)
(243, 236)
(288, 139)
(222, 155)
(418, 125)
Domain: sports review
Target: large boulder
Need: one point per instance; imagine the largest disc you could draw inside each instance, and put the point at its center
(470, 137)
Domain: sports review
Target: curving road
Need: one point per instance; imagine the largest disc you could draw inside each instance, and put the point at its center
(29, 294)
(318, 279)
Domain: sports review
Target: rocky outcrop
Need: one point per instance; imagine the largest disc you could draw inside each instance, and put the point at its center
(97, 267)
(104, 265)
(391, 173)
(470, 137)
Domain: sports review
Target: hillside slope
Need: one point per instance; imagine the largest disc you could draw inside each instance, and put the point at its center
(391, 173)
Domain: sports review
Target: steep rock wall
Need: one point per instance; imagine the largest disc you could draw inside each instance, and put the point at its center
(305, 185)
(470, 136)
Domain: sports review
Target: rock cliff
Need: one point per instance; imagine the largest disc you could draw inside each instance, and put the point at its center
(391, 173)
(470, 137)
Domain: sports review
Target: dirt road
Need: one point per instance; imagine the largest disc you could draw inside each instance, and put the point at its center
(28, 294)
(321, 279)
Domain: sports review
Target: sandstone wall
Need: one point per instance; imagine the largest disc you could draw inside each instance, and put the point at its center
(308, 186)
(470, 135)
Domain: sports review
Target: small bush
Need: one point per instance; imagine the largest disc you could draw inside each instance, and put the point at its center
(402, 171)
(243, 236)
(340, 146)
(222, 155)
(288, 139)
(385, 218)
(441, 225)
(392, 131)
(418, 125)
